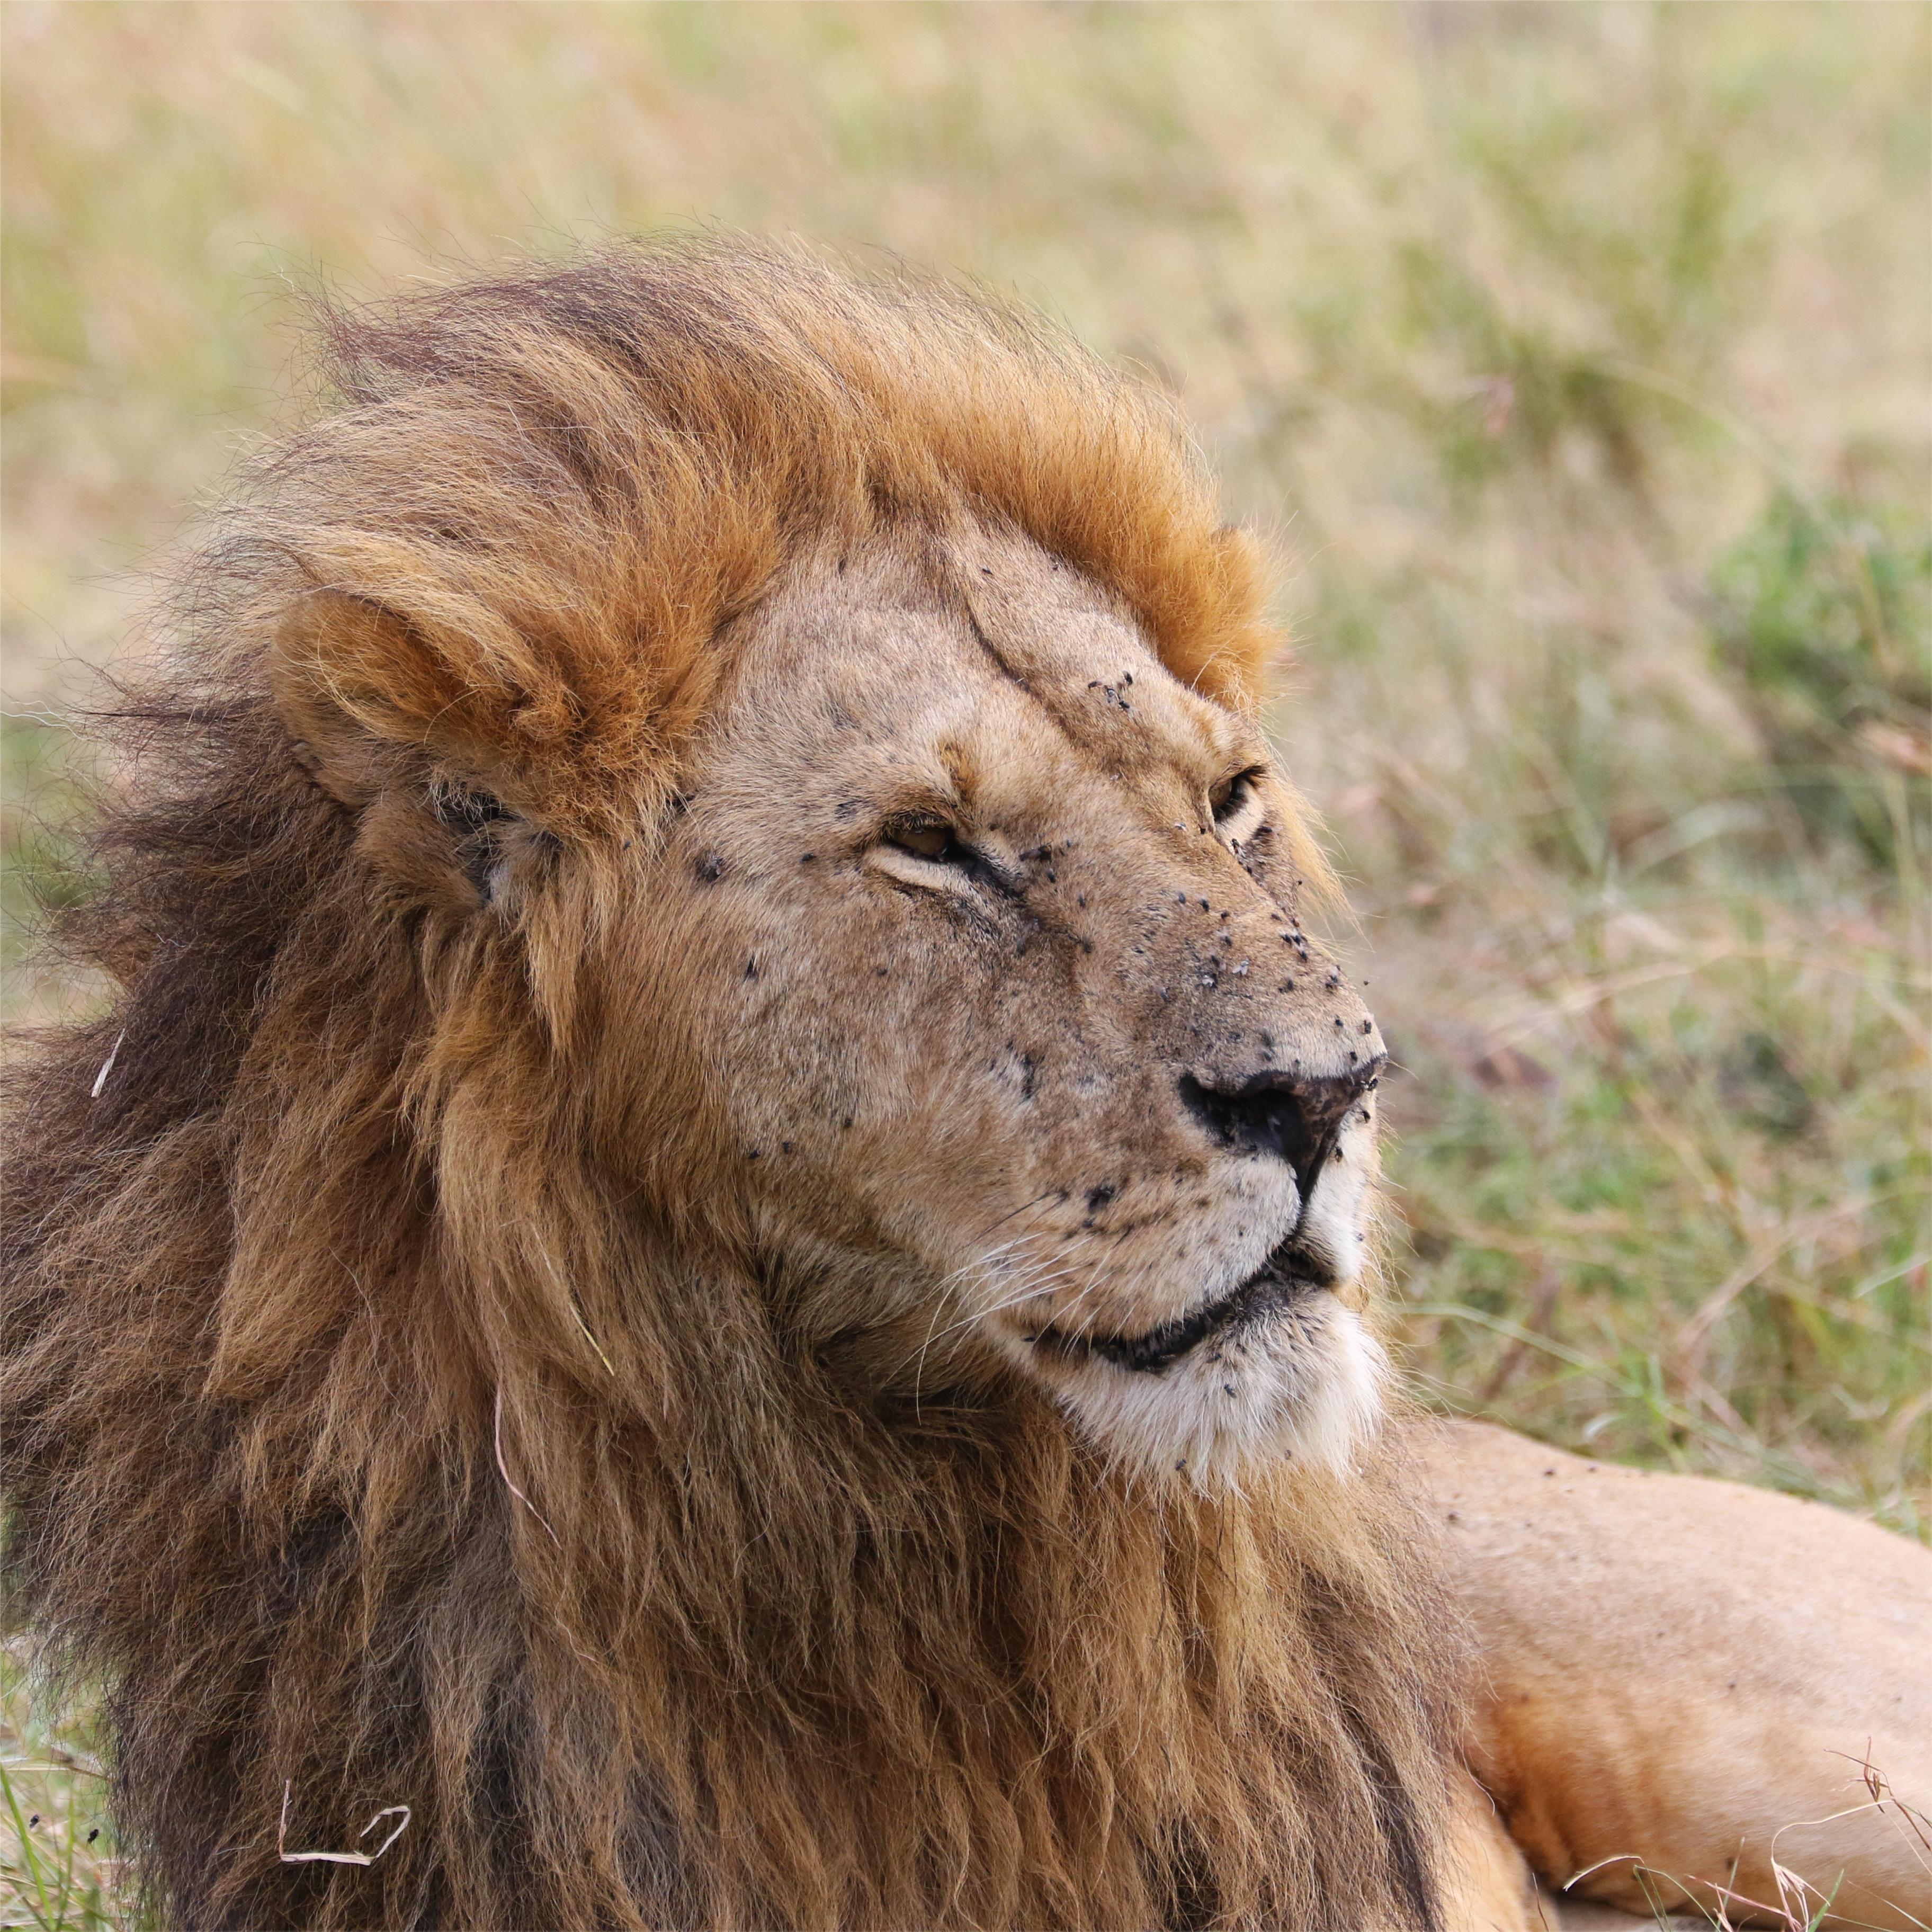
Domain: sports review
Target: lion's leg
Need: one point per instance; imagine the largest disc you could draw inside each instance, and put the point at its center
(1490, 1887)
(1715, 1684)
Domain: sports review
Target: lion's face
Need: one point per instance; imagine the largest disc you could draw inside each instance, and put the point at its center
(976, 953)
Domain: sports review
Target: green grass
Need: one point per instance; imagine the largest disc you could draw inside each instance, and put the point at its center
(59, 1870)
(1575, 356)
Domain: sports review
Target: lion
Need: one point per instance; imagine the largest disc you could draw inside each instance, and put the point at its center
(716, 1265)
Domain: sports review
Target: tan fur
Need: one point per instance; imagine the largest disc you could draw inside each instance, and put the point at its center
(1691, 1678)
(570, 1309)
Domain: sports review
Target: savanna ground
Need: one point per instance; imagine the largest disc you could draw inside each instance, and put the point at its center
(1579, 359)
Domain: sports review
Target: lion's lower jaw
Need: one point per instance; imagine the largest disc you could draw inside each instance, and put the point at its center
(1305, 1385)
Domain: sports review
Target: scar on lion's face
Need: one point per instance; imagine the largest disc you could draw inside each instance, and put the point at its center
(1010, 1012)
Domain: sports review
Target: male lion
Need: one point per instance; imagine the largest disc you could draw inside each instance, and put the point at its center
(715, 1255)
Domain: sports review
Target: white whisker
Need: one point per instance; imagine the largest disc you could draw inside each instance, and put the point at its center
(1033, 1283)
(948, 1287)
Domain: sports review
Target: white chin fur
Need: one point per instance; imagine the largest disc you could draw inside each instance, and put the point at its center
(1305, 1383)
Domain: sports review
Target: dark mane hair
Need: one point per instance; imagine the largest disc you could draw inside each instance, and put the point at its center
(360, 1437)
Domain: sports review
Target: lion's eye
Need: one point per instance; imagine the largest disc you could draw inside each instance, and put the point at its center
(930, 839)
(1227, 798)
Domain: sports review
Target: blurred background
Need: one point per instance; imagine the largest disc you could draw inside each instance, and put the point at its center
(1578, 359)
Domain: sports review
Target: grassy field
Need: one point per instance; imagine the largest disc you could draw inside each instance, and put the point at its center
(1577, 357)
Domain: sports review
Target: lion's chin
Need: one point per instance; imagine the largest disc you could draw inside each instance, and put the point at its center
(1275, 1376)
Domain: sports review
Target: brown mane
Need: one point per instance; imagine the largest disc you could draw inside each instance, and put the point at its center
(368, 1443)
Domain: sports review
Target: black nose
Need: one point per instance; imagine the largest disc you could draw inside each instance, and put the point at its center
(1294, 1117)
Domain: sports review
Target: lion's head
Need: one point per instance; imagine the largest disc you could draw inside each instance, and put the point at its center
(951, 966)
(721, 1061)
(974, 958)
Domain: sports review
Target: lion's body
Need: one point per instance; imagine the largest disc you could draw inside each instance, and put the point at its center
(456, 1356)
(717, 1240)
(1691, 1678)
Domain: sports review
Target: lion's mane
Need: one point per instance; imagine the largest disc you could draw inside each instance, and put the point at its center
(372, 1448)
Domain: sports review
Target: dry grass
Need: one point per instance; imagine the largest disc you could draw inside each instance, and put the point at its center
(1578, 357)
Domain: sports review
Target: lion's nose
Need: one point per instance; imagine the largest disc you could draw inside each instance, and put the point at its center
(1294, 1116)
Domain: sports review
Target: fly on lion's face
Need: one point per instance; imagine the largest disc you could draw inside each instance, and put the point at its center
(1027, 1041)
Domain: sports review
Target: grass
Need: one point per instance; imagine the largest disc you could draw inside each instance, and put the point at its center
(1576, 358)
(58, 1872)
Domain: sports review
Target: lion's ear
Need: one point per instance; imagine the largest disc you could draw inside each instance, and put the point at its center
(371, 699)
(347, 752)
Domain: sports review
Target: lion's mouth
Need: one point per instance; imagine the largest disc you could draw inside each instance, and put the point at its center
(1288, 1275)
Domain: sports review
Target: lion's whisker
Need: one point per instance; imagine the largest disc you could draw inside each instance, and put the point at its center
(947, 1287)
(1046, 1194)
(1034, 1286)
